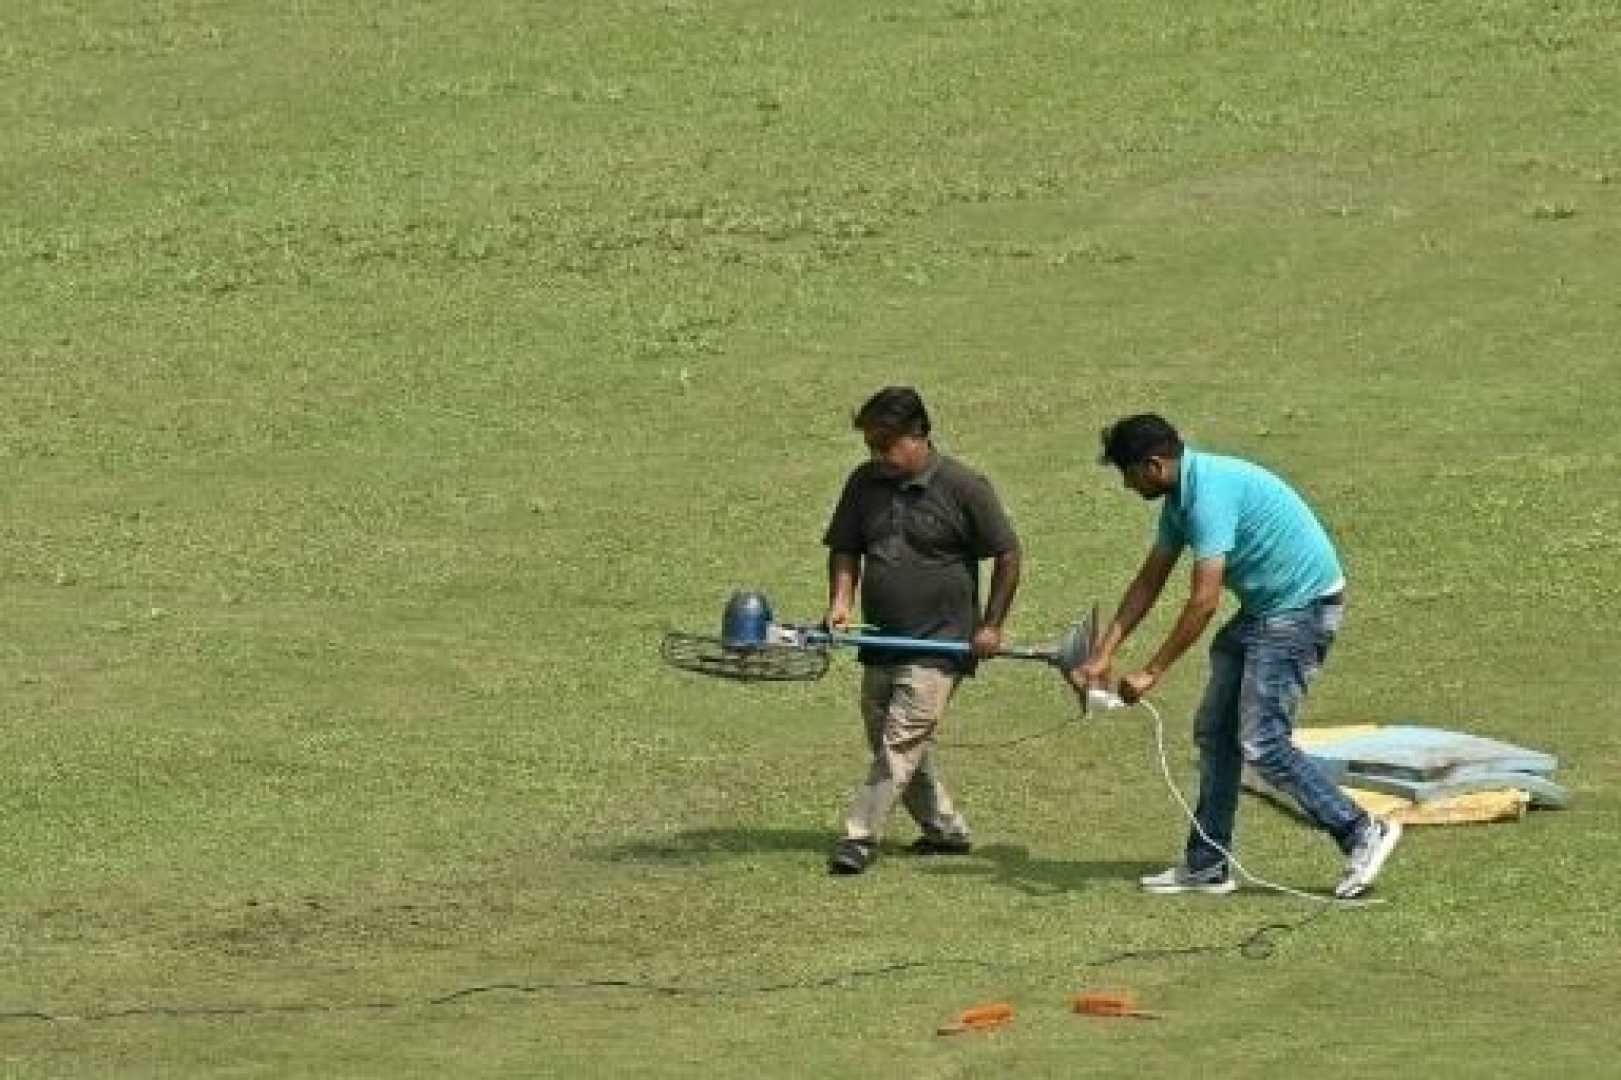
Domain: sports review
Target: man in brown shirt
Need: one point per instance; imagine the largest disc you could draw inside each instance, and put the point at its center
(910, 529)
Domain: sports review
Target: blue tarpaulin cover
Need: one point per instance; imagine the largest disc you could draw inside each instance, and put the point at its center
(1424, 764)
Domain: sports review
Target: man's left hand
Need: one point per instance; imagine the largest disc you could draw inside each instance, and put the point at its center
(1136, 685)
(986, 641)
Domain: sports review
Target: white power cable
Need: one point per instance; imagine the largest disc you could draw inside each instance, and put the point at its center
(1104, 700)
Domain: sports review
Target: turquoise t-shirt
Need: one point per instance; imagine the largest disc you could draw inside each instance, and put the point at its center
(1278, 555)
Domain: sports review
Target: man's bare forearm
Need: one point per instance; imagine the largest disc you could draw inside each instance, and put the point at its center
(1190, 626)
(1139, 599)
(1004, 585)
(843, 575)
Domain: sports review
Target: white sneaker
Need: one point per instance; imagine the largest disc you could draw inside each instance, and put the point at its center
(1373, 847)
(1179, 879)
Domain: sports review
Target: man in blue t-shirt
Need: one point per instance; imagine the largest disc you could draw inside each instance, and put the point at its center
(1249, 531)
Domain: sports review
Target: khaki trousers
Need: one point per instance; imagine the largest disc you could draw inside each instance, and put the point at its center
(902, 705)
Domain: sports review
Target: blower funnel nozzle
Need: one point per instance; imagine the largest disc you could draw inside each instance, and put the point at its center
(746, 621)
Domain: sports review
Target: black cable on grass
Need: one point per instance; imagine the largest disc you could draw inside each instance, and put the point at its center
(1258, 944)
(666, 990)
(180, 1012)
(1001, 744)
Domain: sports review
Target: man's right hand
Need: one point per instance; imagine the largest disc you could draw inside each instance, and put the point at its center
(1093, 672)
(1091, 675)
(837, 617)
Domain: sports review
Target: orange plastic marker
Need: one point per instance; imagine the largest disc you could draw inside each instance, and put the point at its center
(1101, 1004)
(979, 1018)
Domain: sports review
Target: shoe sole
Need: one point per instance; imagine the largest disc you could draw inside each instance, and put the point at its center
(849, 865)
(936, 849)
(1349, 890)
(1210, 890)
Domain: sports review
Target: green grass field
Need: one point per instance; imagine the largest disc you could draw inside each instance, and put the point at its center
(382, 380)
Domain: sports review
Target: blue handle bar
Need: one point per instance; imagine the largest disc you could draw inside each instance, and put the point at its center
(884, 641)
(925, 646)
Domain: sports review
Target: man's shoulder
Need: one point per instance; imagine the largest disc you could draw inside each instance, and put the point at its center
(1225, 474)
(864, 474)
(1207, 462)
(957, 472)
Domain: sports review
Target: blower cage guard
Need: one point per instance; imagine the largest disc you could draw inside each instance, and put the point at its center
(766, 663)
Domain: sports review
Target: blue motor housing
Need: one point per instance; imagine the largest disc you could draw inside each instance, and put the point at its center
(747, 617)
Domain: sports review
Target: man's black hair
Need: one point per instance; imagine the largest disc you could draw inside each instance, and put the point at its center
(1135, 439)
(895, 409)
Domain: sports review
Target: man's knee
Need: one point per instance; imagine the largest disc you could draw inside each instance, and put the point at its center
(1214, 729)
(906, 736)
(1270, 754)
(1210, 741)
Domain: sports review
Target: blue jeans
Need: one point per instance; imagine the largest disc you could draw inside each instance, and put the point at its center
(1260, 667)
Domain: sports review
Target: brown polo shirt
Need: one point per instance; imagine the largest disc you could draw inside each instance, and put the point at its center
(920, 541)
